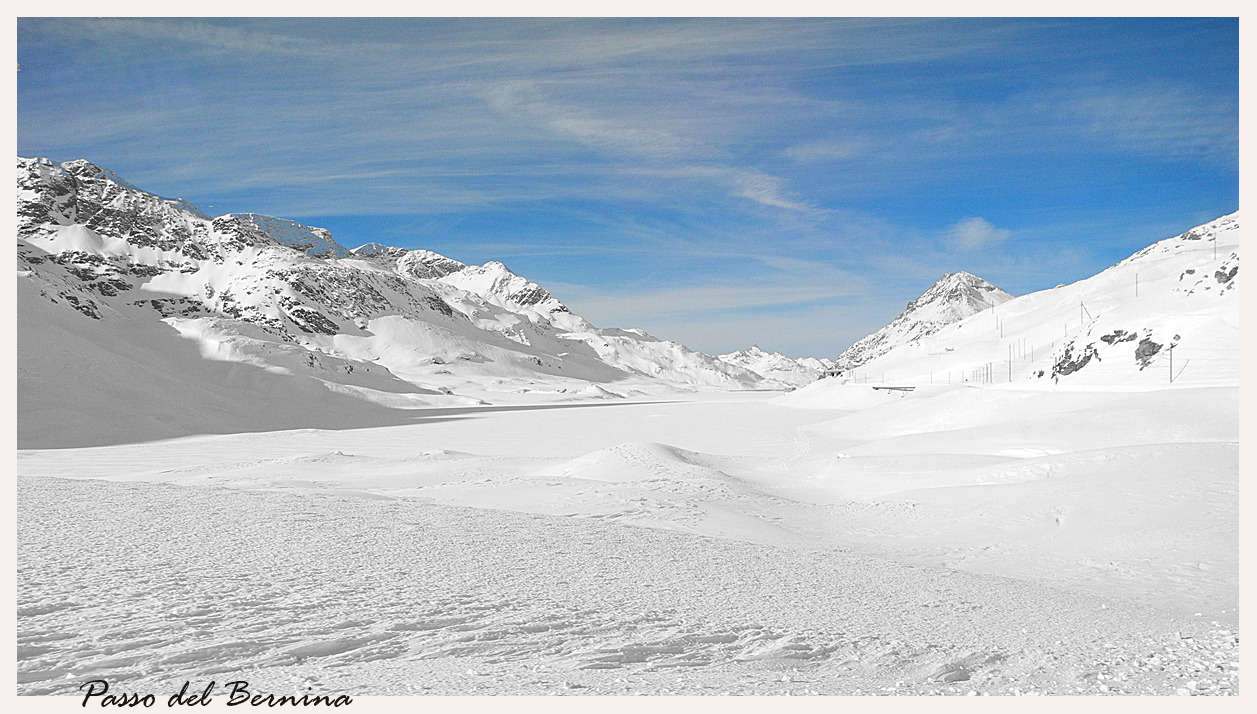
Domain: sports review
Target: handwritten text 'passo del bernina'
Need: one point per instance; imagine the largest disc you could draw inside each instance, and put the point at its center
(97, 692)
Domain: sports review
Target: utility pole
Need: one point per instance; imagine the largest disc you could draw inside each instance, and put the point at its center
(1171, 364)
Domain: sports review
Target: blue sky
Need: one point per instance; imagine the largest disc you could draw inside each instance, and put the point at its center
(791, 183)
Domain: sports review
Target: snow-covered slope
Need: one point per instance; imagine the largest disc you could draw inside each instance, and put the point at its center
(400, 328)
(954, 297)
(778, 367)
(1166, 316)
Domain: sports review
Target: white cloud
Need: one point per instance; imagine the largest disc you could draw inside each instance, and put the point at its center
(974, 233)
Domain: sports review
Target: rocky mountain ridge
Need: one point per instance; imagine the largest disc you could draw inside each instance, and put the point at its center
(394, 326)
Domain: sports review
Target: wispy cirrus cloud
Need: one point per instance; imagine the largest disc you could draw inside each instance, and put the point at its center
(637, 93)
(850, 143)
(1157, 118)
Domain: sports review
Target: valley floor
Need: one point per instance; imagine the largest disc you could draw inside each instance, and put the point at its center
(715, 543)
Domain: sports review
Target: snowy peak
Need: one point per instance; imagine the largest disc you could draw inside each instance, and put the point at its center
(959, 292)
(493, 281)
(254, 227)
(778, 367)
(426, 265)
(88, 174)
(953, 298)
(82, 193)
(1167, 316)
(378, 250)
(500, 286)
(416, 264)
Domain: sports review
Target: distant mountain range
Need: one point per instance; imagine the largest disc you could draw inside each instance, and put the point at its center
(778, 367)
(121, 282)
(138, 312)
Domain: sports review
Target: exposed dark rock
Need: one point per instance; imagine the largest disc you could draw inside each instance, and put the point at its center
(1145, 351)
(111, 287)
(1118, 336)
(440, 306)
(311, 321)
(1068, 363)
(87, 307)
(144, 271)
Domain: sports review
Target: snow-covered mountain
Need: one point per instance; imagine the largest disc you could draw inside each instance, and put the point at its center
(778, 367)
(953, 298)
(1171, 309)
(118, 283)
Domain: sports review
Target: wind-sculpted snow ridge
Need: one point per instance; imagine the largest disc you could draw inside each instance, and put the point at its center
(778, 367)
(953, 298)
(1168, 316)
(287, 299)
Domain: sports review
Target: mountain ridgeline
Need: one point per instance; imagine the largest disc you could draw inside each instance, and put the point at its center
(145, 315)
(129, 282)
(953, 298)
(1166, 316)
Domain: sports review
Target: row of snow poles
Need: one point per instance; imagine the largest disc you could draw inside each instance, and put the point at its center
(1019, 350)
(984, 374)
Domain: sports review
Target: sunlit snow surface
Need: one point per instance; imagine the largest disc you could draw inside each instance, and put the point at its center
(613, 548)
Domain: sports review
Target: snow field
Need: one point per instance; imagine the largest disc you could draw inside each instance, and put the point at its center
(839, 534)
(395, 596)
